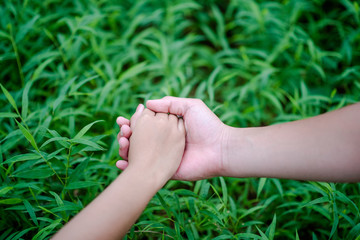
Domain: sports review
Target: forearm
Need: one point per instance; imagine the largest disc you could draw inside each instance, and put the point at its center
(113, 212)
(322, 148)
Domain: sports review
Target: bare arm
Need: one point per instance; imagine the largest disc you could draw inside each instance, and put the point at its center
(157, 145)
(322, 148)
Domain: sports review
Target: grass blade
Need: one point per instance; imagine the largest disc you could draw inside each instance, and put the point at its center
(31, 212)
(85, 129)
(28, 136)
(9, 98)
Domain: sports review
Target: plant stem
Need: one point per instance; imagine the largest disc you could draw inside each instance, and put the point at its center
(17, 57)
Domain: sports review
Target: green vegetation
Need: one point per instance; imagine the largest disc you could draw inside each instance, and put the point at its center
(66, 64)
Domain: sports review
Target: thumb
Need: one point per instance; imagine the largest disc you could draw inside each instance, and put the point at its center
(173, 105)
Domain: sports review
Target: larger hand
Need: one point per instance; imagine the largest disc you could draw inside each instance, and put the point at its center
(205, 135)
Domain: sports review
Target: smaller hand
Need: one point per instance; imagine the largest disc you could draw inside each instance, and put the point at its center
(157, 144)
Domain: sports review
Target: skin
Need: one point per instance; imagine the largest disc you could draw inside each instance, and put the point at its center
(157, 146)
(321, 148)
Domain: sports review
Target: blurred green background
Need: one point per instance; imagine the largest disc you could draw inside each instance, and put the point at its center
(66, 64)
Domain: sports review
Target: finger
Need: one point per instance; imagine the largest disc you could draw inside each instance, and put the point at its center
(122, 121)
(122, 164)
(136, 115)
(173, 105)
(124, 147)
(125, 131)
(164, 116)
(173, 119)
(181, 125)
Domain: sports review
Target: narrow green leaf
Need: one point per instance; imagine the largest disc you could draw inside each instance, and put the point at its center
(163, 204)
(263, 236)
(278, 185)
(55, 139)
(79, 170)
(66, 207)
(22, 157)
(8, 115)
(262, 182)
(4, 35)
(58, 200)
(57, 135)
(24, 29)
(62, 94)
(81, 184)
(9, 98)
(224, 190)
(104, 93)
(251, 210)
(133, 71)
(85, 129)
(88, 143)
(4, 190)
(10, 201)
(53, 154)
(44, 232)
(222, 237)
(77, 86)
(335, 220)
(25, 99)
(271, 229)
(34, 173)
(342, 197)
(41, 68)
(31, 212)
(204, 190)
(28, 136)
(210, 83)
(247, 236)
(354, 232)
(22, 233)
(316, 201)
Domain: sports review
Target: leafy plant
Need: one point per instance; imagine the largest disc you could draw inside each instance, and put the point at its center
(69, 68)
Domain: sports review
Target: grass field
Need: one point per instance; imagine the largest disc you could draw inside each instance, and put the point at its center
(70, 67)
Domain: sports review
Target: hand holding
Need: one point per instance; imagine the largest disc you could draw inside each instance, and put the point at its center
(205, 135)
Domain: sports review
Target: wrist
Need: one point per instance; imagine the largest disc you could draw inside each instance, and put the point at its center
(146, 176)
(239, 152)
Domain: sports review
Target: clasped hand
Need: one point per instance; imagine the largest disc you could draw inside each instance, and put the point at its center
(205, 133)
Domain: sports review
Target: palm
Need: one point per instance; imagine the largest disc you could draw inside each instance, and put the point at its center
(202, 156)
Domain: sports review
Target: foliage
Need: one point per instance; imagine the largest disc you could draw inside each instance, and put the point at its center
(67, 64)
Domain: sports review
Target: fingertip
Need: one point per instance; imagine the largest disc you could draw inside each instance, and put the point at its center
(122, 164)
(123, 142)
(140, 107)
(118, 119)
(125, 131)
(122, 121)
(158, 105)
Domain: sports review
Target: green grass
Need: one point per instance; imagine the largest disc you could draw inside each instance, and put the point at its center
(66, 64)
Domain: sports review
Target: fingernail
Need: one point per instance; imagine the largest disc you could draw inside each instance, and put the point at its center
(140, 106)
(119, 144)
(121, 133)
